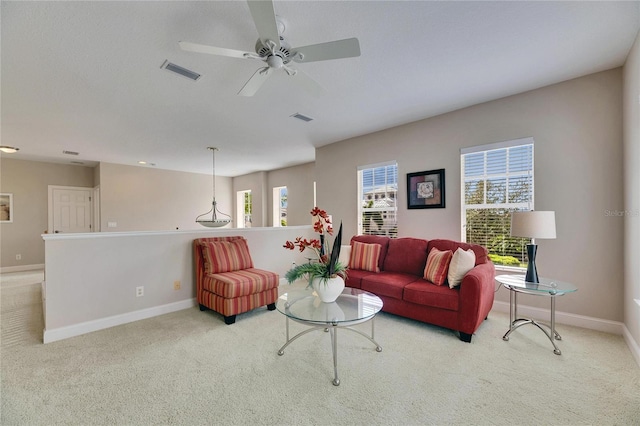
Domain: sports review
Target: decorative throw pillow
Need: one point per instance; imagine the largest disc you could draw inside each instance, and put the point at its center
(364, 256)
(226, 256)
(437, 266)
(462, 262)
(345, 255)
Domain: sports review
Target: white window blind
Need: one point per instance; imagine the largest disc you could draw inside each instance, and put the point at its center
(497, 179)
(377, 206)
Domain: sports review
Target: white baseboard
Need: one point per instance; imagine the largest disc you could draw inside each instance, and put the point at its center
(633, 345)
(100, 324)
(21, 268)
(541, 314)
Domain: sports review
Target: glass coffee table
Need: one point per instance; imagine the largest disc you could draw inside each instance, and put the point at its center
(353, 306)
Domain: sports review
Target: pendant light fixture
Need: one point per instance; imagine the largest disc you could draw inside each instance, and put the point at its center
(214, 222)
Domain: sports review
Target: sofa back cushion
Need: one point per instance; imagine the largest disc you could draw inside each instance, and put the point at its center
(374, 239)
(406, 255)
(364, 256)
(226, 256)
(482, 255)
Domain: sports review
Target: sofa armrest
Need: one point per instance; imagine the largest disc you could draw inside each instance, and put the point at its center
(477, 291)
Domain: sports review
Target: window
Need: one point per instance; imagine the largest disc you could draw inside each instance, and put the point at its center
(497, 179)
(243, 202)
(377, 206)
(280, 206)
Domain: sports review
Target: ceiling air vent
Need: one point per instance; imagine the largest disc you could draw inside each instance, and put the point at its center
(301, 117)
(179, 70)
(70, 152)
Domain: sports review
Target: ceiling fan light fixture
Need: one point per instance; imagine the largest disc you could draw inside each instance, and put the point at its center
(9, 149)
(214, 222)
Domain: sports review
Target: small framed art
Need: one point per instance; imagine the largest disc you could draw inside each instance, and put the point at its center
(425, 190)
(6, 208)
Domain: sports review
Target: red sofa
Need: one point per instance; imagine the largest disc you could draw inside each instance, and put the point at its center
(404, 291)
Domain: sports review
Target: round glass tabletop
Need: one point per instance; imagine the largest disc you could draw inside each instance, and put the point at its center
(352, 305)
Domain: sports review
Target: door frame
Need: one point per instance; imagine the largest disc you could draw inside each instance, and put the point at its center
(51, 188)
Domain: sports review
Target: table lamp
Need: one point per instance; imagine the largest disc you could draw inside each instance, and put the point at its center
(533, 224)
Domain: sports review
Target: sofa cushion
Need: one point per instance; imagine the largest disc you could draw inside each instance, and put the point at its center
(406, 255)
(240, 283)
(462, 262)
(482, 255)
(375, 239)
(226, 256)
(354, 277)
(390, 284)
(437, 266)
(364, 256)
(422, 292)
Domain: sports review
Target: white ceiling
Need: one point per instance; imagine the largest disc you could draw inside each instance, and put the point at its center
(86, 76)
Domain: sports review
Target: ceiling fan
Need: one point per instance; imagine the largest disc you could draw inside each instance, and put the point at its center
(276, 52)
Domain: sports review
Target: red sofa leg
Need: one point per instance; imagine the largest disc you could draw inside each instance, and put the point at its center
(230, 319)
(203, 308)
(465, 337)
(271, 306)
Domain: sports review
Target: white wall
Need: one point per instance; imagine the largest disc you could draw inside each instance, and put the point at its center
(299, 182)
(257, 184)
(28, 181)
(148, 199)
(577, 128)
(91, 278)
(632, 196)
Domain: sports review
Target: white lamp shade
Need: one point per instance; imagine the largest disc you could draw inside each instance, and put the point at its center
(533, 224)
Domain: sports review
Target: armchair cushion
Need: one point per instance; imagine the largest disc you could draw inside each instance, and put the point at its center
(240, 283)
(226, 256)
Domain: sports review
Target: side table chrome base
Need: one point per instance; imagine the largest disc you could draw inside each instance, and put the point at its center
(522, 321)
(515, 322)
(333, 330)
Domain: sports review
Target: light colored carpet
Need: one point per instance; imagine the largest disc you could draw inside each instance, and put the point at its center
(188, 367)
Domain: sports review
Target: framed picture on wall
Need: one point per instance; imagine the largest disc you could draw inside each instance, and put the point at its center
(425, 190)
(6, 208)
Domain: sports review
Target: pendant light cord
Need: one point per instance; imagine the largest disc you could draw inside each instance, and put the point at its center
(215, 222)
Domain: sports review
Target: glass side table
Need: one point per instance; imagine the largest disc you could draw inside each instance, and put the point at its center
(546, 287)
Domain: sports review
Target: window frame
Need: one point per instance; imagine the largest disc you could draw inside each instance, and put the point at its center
(384, 212)
(506, 205)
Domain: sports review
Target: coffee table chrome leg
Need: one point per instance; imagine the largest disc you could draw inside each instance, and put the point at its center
(334, 346)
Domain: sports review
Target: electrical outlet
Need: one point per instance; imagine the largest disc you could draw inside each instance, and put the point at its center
(140, 291)
(176, 285)
(18, 257)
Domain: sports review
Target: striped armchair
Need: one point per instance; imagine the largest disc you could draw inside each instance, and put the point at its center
(227, 282)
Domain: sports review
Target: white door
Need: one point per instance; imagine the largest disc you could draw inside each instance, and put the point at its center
(71, 210)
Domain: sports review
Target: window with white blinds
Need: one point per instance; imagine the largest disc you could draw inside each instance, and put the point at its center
(497, 179)
(377, 207)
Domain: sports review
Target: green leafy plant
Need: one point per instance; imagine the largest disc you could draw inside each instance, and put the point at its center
(326, 265)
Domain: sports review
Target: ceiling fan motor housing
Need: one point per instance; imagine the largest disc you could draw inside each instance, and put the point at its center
(283, 52)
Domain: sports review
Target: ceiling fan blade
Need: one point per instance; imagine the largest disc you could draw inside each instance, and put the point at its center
(201, 48)
(265, 19)
(347, 48)
(255, 82)
(306, 82)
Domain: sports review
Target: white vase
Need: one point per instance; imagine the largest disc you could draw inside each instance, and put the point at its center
(328, 289)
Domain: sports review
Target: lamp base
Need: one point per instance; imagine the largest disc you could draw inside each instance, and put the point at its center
(532, 273)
